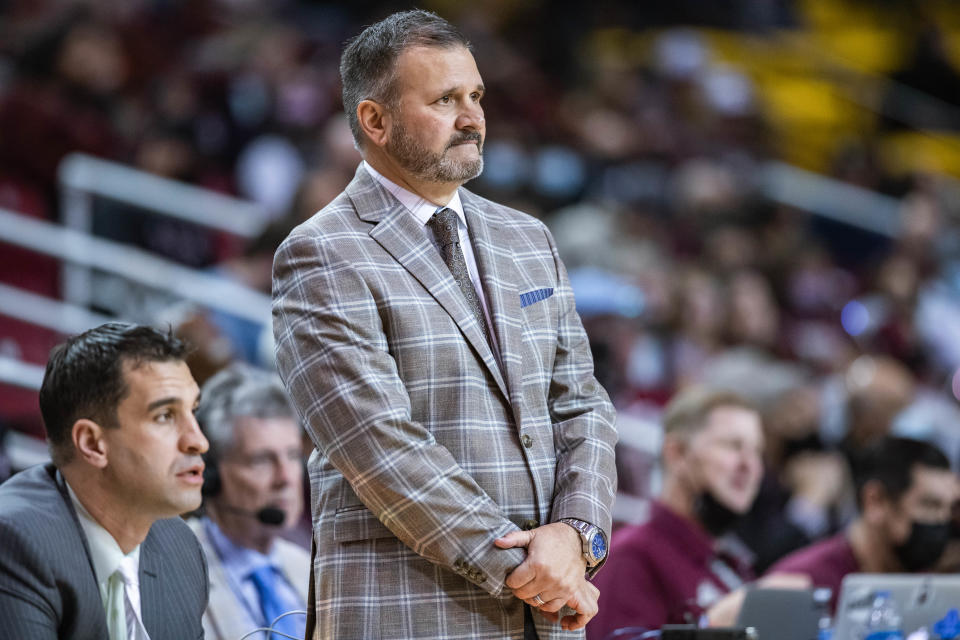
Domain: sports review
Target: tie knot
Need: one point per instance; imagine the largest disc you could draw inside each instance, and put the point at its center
(444, 225)
(263, 575)
(127, 570)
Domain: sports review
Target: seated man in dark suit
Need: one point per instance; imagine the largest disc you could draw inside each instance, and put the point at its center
(92, 547)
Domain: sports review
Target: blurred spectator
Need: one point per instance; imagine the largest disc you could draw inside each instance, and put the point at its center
(65, 99)
(927, 89)
(905, 492)
(806, 488)
(878, 388)
(676, 566)
(253, 491)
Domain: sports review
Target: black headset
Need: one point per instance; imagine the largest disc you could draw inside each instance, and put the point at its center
(212, 485)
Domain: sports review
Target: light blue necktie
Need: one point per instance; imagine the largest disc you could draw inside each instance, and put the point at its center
(115, 607)
(266, 579)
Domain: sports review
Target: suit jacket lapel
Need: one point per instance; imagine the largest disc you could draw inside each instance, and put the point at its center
(65, 494)
(400, 234)
(222, 605)
(498, 273)
(150, 590)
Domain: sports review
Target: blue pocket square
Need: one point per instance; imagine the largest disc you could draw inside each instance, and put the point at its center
(528, 298)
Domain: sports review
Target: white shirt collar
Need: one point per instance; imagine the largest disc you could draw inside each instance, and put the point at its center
(104, 549)
(421, 208)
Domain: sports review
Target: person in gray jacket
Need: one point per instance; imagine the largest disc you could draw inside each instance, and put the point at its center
(253, 491)
(92, 545)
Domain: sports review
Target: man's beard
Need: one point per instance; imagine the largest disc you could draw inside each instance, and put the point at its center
(430, 166)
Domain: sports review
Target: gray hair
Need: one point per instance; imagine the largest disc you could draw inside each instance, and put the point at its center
(239, 391)
(368, 63)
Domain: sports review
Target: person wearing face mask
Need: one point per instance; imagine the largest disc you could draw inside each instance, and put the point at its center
(905, 491)
(674, 567)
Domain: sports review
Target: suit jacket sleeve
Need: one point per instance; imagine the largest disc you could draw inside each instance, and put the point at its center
(333, 357)
(584, 430)
(24, 609)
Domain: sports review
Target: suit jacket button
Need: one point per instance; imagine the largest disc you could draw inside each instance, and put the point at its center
(526, 440)
(530, 524)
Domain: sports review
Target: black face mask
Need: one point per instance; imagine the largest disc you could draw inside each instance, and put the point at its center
(924, 546)
(716, 518)
(793, 446)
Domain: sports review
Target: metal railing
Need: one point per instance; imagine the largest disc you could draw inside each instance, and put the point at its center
(18, 373)
(84, 178)
(41, 311)
(136, 265)
(830, 198)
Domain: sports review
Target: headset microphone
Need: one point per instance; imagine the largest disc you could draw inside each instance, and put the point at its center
(271, 515)
(268, 515)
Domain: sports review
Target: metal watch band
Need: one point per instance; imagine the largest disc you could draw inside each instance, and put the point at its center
(585, 529)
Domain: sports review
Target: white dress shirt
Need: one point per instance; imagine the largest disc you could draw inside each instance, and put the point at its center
(107, 556)
(422, 209)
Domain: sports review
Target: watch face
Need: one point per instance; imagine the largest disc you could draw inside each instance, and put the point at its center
(598, 547)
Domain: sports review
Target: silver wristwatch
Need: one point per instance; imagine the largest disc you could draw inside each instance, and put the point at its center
(592, 538)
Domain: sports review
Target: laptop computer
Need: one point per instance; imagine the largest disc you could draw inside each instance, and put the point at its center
(781, 614)
(923, 600)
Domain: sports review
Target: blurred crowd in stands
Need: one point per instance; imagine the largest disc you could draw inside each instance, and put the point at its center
(623, 127)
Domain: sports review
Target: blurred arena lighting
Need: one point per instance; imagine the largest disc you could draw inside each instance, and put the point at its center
(558, 172)
(601, 292)
(855, 318)
(506, 165)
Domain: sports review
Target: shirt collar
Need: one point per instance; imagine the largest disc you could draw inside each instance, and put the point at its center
(240, 561)
(104, 549)
(421, 208)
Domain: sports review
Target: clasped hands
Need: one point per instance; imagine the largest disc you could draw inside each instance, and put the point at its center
(555, 571)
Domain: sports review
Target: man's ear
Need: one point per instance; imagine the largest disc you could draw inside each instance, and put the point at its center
(874, 501)
(374, 120)
(674, 450)
(89, 442)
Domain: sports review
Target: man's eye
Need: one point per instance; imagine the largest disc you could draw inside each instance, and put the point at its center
(445, 100)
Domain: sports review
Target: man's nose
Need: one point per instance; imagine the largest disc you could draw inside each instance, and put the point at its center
(471, 117)
(287, 471)
(192, 439)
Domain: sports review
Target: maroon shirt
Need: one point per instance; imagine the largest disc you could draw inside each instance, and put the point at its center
(665, 571)
(826, 563)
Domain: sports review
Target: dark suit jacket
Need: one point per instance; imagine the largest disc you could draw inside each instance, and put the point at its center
(47, 584)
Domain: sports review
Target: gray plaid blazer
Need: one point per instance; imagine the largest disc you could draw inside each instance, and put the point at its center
(426, 448)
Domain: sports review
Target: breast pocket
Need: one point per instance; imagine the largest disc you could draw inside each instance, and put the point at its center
(534, 296)
(354, 523)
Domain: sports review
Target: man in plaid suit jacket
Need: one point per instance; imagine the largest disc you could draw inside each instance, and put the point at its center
(464, 449)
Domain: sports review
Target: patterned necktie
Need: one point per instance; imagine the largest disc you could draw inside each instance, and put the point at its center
(265, 579)
(444, 226)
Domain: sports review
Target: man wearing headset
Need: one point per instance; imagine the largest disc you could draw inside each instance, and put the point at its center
(252, 492)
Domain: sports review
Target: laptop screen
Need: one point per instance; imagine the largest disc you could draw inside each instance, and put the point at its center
(923, 600)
